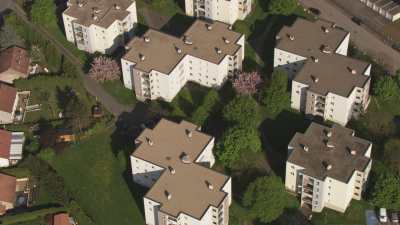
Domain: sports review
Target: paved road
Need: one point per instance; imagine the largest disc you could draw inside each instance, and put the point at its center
(94, 88)
(364, 39)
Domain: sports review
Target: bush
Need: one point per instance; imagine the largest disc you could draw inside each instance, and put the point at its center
(387, 88)
(282, 7)
(202, 112)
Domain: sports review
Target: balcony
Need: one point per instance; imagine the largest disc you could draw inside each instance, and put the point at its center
(307, 200)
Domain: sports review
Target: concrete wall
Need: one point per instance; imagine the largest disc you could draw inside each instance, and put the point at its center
(290, 62)
(145, 173)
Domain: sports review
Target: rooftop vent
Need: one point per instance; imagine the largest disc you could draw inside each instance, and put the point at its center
(330, 144)
(142, 57)
(325, 29)
(116, 6)
(230, 27)
(95, 17)
(189, 133)
(127, 47)
(314, 59)
(146, 39)
(209, 185)
(171, 170)
(209, 27)
(326, 49)
(168, 195)
(81, 4)
(187, 40)
(96, 10)
(334, 25)
(149, 141)
(353, 71)
(353, 152)
(277, 37)
(327, 165)
(218, 50)
(178, 50)
(306, 148)
(291, 37)
(314, 78)
(328, 133)
(185, 158)
(226, 40)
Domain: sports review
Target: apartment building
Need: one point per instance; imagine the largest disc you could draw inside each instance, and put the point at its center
(174, 161)
(327, 167)
(157, 65)
(226, 11)
(390, 9)
(325, 82)
(99, 25)
(11, 147)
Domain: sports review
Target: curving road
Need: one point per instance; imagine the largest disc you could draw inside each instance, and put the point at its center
(365, 40)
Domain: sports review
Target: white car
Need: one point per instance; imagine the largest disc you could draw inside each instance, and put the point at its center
(395, 217)
(383, 218)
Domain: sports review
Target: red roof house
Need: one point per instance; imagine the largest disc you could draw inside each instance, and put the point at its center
(14, 64)
(8, 185)
(8, 99)
(61, 219)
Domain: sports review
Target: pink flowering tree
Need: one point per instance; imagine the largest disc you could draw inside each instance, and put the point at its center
(104, 69)
(247, 83)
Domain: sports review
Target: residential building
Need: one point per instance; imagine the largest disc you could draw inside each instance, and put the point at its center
(327, 167)
(174, 161)
(226, 11)
(99, 25)
(158, 65)
(62, 219)
(14, 64)
(8, 103)
(325, 82)
(11, 146)
(390, 9)
(12, 189)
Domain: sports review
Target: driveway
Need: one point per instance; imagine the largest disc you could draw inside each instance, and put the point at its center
(365, 40)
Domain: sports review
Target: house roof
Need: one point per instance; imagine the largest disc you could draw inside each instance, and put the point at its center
(188, 186)
(5, 144)
(161, 50)
(8, 186)
(61, 219)
(324, 150)
(106, 11)
(8, 95)
(334, 73)
(14, 58)
(309, 37)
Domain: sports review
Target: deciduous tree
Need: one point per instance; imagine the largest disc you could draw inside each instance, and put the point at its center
(77, 114)
(247, 83)
(242, 110)
(104, 69)
(275, 96)
(282, 7)
(387, 88)
(386, 191)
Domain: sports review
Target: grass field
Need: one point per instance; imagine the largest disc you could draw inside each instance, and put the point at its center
(96, 181)
(122, 95)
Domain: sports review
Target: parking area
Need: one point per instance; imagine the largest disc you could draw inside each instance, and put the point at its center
(382, 217)
(390, 31)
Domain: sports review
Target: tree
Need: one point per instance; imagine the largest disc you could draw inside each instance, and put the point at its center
(242, 110)
(9, 38)
(282, 7)
(386, 191)
(391, 154)
(247, 83)
(77, 114)
(43, 12)
(236, 141)
(200, 115)
(104, 68)
(266, 198)
(275, 96)
(386, 88)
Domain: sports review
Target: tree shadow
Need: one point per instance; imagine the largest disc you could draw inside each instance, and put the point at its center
(61, 6)
(277, 133)
(64, 96)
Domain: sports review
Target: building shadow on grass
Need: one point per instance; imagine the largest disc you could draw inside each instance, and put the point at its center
(276, 135)
(177, 25)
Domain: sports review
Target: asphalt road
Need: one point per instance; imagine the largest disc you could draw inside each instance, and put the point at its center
(365, 40)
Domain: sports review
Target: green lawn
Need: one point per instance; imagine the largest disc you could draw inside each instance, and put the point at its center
(165, 7)
(50, 92)
(354, 215)
(122, 95)
(95, 178)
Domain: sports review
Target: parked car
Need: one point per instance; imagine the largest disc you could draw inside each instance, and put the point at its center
(314, 11)
(383, 215)
(357, 20)
(394, 217)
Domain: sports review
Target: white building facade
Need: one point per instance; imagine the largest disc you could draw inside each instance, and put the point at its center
(99, 25)
(11, 148)
(183, 188)
(226, 11)
(390, 9)
(333, 179)
(158, 65)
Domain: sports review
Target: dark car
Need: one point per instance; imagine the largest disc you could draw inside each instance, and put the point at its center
(314, 11)
(357, 20)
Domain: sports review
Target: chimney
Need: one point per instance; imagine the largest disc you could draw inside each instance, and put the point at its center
(353, 71)
(291, 37)
(219, 51)
(150, 142)
(314, 78)
(305, 148)
(116, 6)
(277, 37)
(209, 27)
(334, 25)
(189, 133)
(329, 133)
(171, 170)
(209, 185)
(142, 57)
(168, 195)
(325, 29)
(226, 40)
(187, 40)
(146, 39)
(178, 50)
(315, 59)
(230, 27)
(327, 165)
(329, 144)
(185, 158)
(94, 17)
(353, 152)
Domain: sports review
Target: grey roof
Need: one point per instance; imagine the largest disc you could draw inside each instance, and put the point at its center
(188, 186)
(339, 157)
(309, 37)
(161, 52)
(106, 11)
(334, 73)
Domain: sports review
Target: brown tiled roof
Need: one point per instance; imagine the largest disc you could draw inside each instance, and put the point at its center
(5, 144)
(61, 219)
(107, 13)
(309, 37)
(334, 73)
(188, 186)
(8, 95)
(14, 58)
(7, 188)
(339, 156)
(161, 51)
